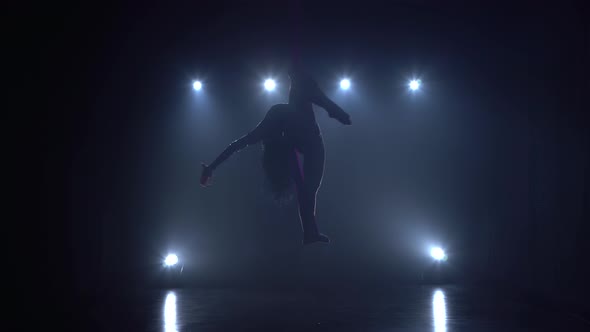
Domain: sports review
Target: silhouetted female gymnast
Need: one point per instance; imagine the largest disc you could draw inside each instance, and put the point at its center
(288, 131)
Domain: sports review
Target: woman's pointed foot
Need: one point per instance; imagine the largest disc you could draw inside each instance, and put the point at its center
(319, 237)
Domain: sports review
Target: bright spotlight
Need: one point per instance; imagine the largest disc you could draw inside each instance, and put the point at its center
(197, 85)
(414, 85)
(171, 260)
(438, 254)
(345, 84)
(270, 84)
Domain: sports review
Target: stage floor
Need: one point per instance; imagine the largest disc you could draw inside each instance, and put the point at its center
(410, 308)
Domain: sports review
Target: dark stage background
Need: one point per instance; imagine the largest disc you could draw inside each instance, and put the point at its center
(490, 160)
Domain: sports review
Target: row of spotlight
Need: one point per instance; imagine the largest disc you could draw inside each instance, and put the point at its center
(270, 84)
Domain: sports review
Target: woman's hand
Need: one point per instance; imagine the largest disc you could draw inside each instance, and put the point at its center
(206, 175)
(341, 116)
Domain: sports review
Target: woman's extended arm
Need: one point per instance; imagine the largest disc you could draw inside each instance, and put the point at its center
(251, 138)
(319, 98)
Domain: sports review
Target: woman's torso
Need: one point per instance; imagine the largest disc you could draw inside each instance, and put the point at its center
(298, 124)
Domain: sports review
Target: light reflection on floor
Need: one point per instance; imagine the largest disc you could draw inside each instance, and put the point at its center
(170, 313)
(422, 308)
(439, 311)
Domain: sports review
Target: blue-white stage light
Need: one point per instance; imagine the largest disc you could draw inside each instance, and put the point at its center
(197, 85)
(438, 254)
(414, 84)
(345, 84)
(270, 84)
(171, 260)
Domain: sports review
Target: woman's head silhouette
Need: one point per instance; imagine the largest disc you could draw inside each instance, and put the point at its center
(303, 86)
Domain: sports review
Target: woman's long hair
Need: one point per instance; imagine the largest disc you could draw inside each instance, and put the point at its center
(276, 162)
(278, 153)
